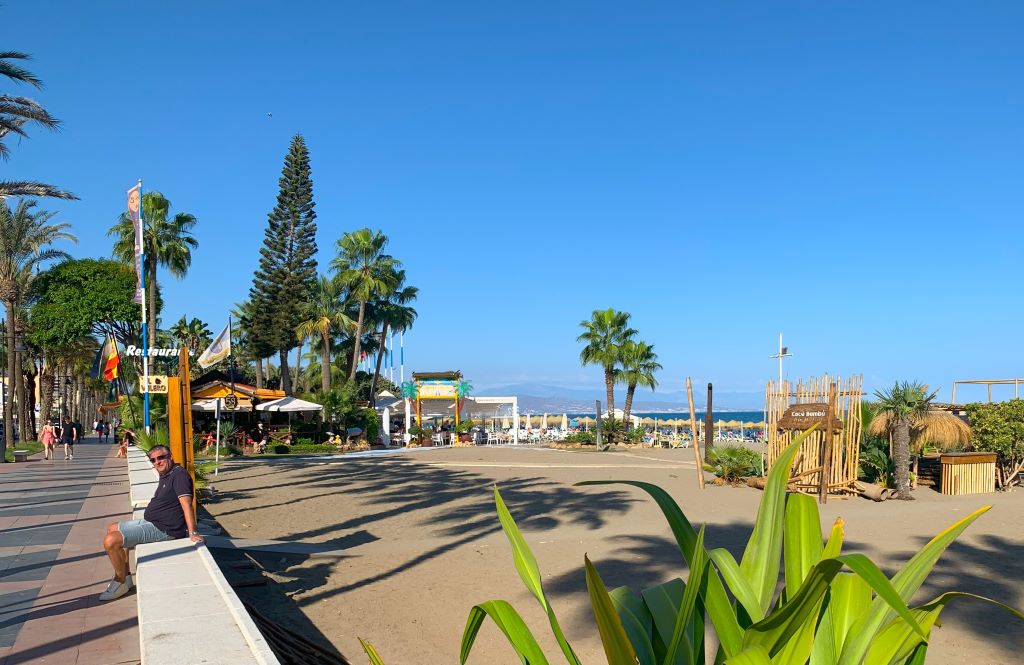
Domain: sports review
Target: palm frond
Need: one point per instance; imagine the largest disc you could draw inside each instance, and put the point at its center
(11, 188)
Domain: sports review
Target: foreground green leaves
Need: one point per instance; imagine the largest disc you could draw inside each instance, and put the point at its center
(833, 609)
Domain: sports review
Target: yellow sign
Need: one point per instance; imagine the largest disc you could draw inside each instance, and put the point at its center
(157, 384)
(436, 391)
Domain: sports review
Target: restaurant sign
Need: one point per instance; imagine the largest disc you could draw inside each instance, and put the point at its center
(804, 416)
(437, 389)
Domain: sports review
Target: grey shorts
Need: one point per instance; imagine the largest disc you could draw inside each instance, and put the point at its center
(138, 532)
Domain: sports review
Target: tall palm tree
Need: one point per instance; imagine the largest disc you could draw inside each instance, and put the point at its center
(325, 316)
(364, 270)
(639, 363)
(904, 404)
(194, 335)
(394, 315)
(242, 313)
(15, 113)
(604, 335)
(167, 241)
(26, 236)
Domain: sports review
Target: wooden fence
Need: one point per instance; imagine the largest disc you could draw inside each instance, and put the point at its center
(845, 443)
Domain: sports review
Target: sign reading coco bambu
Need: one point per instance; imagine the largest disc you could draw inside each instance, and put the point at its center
(803, 416)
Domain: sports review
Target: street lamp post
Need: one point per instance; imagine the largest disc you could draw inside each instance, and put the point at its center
(783, 353)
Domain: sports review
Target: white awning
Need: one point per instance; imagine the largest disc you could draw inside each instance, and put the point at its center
(289, 405)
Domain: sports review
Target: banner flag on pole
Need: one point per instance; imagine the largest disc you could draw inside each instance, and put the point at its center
(218, 350)
(108, 361)
(135, 212)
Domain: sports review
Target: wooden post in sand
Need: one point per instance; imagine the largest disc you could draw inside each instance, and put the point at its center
(826, 454)
(693, 434)
(709, 425)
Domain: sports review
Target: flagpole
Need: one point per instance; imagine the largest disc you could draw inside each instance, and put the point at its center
(401, 355)
(145, 326)
(231, 368)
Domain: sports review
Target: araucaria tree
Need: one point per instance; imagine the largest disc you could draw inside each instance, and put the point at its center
(287, 274)
(26, 236)
(905, 404)
(605, 334)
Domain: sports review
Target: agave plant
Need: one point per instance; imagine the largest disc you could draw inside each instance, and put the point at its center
(833, 608)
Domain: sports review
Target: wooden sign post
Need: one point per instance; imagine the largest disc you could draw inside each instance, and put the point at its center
(693, 435)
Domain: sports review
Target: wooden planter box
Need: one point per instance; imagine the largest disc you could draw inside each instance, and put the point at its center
(968, 473)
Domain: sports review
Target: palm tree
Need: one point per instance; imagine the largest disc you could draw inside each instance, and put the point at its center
(325, 316)
(25, 239)
(639, 363)
(904, 404)
(167, 241)
(364, 270)
(243, 315)
(605, 334)
(395, 315)
(194, 335)
(15, 113)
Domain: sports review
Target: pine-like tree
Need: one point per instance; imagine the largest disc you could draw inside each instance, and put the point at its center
(287, 269)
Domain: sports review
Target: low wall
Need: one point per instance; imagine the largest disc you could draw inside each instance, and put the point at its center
(188, 613)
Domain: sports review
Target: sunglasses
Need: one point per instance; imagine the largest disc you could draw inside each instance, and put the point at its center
(158, 458)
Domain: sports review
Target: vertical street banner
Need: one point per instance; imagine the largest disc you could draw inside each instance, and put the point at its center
(135, 212)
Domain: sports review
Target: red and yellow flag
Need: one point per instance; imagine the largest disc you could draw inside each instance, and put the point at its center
(109, 360)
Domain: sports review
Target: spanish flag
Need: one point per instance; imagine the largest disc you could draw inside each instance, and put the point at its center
(107, 361)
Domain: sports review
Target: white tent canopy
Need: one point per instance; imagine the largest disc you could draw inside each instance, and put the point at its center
(487, 407)
(210, 405)
(289, 405)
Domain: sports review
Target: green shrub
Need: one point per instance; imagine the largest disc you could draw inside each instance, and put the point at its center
(999, 428)
(636, 435)
(875, 464)
(313, 448)
(303, 441)
(281, 449)
(584, 438)
(731, 463)
(785, 594)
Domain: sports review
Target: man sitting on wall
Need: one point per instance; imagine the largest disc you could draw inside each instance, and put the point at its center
(168, 516)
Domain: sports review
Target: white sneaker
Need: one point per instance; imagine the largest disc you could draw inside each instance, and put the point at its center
(117, 589)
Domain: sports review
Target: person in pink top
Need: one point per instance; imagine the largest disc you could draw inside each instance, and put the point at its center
(48, 438)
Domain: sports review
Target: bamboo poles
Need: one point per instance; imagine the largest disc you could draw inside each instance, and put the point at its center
(693, 434)
(843, 445)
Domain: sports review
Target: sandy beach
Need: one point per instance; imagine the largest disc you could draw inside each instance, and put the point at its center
(424, 544)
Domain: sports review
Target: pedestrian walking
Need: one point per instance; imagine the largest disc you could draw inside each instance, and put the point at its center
(67, 437)
(106, 432)
(48, 438)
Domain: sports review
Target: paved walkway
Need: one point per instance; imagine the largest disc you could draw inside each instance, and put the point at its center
(52, 565)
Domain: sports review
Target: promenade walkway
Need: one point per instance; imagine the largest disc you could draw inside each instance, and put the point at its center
(52, 566)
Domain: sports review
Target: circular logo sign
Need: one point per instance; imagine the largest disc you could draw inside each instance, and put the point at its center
(230, 402)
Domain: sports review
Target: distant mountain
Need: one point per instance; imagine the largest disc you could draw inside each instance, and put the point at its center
(552, 399)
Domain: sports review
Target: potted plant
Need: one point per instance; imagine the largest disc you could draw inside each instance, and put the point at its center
(419, 434)
(462, 429)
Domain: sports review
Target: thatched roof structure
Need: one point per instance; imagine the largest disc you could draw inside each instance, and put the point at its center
(938, 428)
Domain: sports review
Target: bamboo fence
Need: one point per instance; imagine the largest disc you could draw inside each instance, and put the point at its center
(845, 443)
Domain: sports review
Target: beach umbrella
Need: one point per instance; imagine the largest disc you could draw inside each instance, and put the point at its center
(565, 422)
(544, 422)
(938, 428)
(504, 423)
(526, 421)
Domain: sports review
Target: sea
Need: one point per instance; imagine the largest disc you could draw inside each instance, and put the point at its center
(742, 416)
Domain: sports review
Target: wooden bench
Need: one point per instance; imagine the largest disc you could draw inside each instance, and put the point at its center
(21, 455)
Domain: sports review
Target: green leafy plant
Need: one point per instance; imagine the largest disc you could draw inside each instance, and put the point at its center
(999, 428)
(875, 464)
(833, 608)
(732, 463)
(314, 448)
(464, 426)
(635, 435)
(585, 438)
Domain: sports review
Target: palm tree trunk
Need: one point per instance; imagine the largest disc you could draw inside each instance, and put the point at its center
(298, 365)
(609, 387)
(19, 385)
(355, 346)
(380, 359)
(325, 364)
(8, 393)
(45, 394)
(901, 458)
(151, 292)
(30, 403)
(286, 375)
(259, 373)
(630, 389)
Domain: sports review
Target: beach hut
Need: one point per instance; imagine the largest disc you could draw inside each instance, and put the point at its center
(940, 429)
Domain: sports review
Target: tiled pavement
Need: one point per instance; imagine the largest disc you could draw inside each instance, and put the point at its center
(52, 565)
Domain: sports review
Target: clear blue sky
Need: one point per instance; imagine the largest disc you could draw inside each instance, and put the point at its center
(847, 173)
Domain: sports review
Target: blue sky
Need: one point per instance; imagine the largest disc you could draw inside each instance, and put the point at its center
(846, 173)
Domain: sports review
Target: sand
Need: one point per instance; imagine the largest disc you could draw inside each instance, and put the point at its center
(424, 545)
